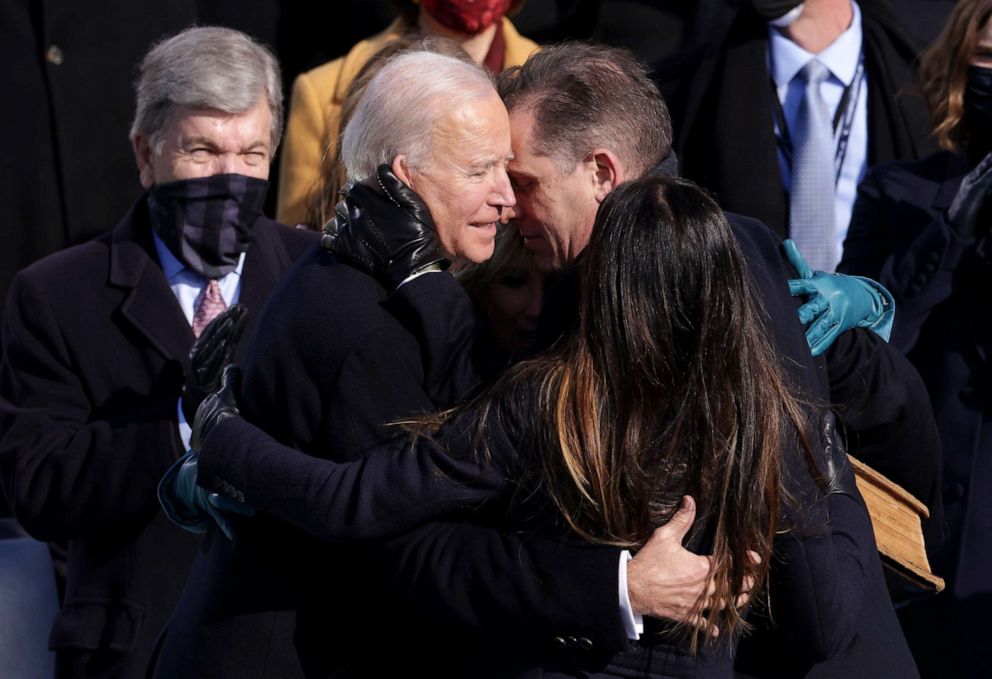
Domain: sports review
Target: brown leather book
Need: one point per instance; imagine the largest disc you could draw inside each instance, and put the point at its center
(897, 518)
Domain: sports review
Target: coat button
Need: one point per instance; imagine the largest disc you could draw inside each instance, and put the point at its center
(54, 56)
(572, 642)
(559, 642)
(585, 644)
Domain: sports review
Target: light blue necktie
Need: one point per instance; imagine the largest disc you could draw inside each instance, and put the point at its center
(811, 198)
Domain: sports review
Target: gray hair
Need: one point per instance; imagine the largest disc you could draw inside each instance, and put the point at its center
(584, 96)
(205, 68)
(403, 105)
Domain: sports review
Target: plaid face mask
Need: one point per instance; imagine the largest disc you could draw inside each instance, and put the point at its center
(208, 222)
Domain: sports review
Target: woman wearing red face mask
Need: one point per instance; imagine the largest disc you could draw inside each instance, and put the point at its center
(922, 229)
(480, 26)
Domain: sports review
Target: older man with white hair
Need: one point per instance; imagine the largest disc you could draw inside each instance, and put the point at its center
(97, 340)
(334, 364)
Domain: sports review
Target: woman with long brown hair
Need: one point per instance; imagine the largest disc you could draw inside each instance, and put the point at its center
(668, 397)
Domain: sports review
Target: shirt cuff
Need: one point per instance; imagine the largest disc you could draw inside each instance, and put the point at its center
(633, 624)
(185, 431)
(433, 268)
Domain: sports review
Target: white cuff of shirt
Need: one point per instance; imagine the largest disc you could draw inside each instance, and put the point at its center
(185, 430)
(633, 623)
(433, 268)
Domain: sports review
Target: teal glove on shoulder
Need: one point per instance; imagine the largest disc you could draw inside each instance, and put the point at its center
(191, 507)
(837, 303)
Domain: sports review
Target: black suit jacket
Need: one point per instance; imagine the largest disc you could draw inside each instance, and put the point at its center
(900, 234)
(95, 346)
(332, 365)
(723, 118)
(840, 620)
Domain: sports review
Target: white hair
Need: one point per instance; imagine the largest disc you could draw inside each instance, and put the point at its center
(403, 105)
(205, 68)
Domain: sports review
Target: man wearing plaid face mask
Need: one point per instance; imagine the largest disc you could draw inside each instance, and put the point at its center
(97, 342)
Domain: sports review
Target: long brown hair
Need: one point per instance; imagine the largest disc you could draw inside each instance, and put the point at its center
(943, 71)
(670, 387)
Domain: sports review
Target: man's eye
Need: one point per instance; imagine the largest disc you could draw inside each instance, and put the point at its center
(200, 153)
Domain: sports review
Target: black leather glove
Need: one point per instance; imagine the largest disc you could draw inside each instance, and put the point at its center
(389, 234)
(217, 407)
(839, 473)
(970, 198)
(211, 351)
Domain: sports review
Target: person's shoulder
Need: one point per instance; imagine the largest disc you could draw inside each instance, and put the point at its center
(930, 169)
(297, 238)
(88, 261)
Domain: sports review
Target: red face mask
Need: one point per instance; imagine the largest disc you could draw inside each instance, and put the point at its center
(466, 16)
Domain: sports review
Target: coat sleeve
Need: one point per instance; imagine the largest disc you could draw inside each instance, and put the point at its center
(393, 488)
(458, 349)
(886, 413)
(918, 270)
(68, 469)
(305, 143)
(820, 577)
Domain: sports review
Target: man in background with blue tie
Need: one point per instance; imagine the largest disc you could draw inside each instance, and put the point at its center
(792, 101)
(97, 339)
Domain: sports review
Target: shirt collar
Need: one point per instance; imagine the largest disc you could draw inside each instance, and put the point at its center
(172, 267)
(841, 56)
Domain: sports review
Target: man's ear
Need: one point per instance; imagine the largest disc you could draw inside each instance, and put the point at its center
(143, 156)
(401, 169)
(607, 172)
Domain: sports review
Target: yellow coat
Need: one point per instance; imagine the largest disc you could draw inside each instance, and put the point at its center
(315, 108)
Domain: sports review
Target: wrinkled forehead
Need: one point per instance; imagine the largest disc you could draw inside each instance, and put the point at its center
(475, 131)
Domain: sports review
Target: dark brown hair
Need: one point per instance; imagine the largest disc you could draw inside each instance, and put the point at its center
(943, 71)
(670, 387)
(585, 96)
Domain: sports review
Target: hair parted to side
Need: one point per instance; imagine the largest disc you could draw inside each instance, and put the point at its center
(333, 176)
(943, 71)
(586, 96)
(206, 67)
(402, 107)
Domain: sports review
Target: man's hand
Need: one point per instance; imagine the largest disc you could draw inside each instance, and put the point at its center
(191, 507)
(837, 303)
(218, 406)
(665, 580)
(211, 352)
(389, 233)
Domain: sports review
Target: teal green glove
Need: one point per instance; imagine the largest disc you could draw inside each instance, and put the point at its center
(836, 303)
(191, 507)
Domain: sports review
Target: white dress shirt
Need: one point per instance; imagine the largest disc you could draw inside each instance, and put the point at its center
(187, 286)
(841, 57)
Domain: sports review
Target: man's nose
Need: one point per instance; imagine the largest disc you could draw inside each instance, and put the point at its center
(229, 163)
(503, 191)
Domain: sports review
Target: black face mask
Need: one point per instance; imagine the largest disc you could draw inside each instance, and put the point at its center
(208, 222)
(978, 100)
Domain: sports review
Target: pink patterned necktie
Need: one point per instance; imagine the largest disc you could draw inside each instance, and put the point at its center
(210, 305)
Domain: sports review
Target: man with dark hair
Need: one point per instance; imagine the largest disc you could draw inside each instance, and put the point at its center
(97, 340)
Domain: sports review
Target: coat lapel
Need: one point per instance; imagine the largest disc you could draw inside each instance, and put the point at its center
(149, 307)
(265, 263)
